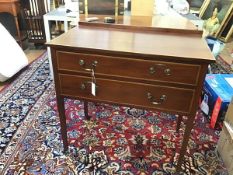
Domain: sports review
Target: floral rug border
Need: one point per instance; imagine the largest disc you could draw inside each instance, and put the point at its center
(15, 142)
(21, 79)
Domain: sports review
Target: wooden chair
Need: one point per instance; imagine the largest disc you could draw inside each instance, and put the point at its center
(33, 11)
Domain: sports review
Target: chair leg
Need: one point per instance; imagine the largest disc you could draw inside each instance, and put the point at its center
(178, 122)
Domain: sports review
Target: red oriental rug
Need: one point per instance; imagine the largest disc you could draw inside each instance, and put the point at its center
(117, 140)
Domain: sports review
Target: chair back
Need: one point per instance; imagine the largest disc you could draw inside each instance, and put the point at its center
(33, 11)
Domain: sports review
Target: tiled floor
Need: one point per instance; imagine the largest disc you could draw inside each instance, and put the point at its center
(32, 54)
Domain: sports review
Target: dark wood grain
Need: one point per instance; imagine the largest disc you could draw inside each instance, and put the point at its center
(127, 93)
(135, 43)
(130, 67)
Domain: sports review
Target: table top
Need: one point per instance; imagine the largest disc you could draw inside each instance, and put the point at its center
(8, 1)
(60, 14)
(10, 6)
(184, 46)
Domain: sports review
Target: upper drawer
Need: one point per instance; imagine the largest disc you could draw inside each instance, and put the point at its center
(164, 98)
(129, 67)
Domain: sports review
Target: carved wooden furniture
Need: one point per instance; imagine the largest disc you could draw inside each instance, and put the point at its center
(157, 69)
(33, 15)
(12, 7)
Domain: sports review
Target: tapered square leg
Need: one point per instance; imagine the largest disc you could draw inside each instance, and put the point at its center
(183, 150)
(61, 110)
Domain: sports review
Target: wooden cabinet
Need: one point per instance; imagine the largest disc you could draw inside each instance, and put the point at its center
(160, 70)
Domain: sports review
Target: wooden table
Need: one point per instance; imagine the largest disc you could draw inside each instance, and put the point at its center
(12, 7)
(58, 14)
(159, 69)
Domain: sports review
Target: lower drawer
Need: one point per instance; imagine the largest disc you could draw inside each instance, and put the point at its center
(126, 93)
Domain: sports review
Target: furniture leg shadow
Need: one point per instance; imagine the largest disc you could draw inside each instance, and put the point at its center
(86, 116)
(178, 122)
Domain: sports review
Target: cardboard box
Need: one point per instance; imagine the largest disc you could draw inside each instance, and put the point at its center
(217, 94)
(225, 146)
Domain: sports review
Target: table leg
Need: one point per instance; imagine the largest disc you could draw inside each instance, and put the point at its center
(65, 25)
(18, 31)
(62, 116)
(187, 132)
(48, 38)
(47, 29)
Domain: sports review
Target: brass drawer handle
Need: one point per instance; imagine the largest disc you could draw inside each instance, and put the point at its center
(166, 70)
(152, 70)
(93, 65)
(156, 102)
(84, 85)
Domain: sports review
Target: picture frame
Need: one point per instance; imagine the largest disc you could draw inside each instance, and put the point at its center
(103, 7)
(203, 8)
(226, 28)
(225, 36)
(225, 12)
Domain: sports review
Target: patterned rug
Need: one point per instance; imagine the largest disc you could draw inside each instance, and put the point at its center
(220, 67)
(116, 141)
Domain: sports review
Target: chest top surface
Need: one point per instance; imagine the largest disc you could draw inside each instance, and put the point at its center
(123, 41)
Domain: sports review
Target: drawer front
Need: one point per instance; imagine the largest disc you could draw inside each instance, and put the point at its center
(129, 68)
(126, 93)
